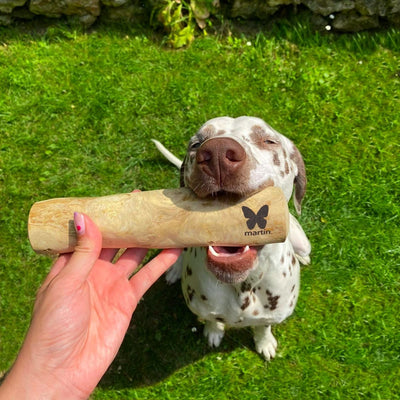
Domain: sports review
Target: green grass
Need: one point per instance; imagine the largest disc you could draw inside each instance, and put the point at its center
(77, 112)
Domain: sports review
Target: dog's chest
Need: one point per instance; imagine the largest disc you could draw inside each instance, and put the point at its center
(267, 296)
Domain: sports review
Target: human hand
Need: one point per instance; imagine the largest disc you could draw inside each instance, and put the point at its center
(80, 317)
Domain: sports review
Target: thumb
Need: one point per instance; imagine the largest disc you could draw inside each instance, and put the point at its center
(87, 249)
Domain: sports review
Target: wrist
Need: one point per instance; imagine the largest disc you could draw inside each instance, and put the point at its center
(21, 383)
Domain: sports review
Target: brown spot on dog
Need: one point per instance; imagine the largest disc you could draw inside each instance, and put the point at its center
(207, 131)
(268, 183)
(189, 271)
(293, 288)
(257, 130)
(261, 138)
(257, 136)
(293, 301)
(287, 168)
(245, 287)
(246, 303)
(190, 292)
(273, 302)
(256, 312)
(276, 159)
(293, 260)
(204, 298)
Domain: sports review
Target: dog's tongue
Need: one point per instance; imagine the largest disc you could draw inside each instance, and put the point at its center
(221, 251)
(231, 264)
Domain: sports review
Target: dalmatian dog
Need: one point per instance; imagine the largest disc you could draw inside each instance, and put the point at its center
(242, 286)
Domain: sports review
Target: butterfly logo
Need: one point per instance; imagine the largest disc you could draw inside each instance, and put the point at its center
(254, 219)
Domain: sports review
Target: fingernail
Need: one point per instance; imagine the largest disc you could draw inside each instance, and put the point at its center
(79, 222)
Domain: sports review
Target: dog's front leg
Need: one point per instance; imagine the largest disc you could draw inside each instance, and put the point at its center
(265, 341)
(214, 332)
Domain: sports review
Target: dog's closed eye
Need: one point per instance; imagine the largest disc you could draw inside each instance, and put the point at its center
(195, 145)
(261, 138)
(270, 141)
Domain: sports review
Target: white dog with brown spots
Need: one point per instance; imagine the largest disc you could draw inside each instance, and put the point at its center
(242, 286)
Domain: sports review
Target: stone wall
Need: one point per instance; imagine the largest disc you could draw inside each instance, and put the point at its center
(340, 15)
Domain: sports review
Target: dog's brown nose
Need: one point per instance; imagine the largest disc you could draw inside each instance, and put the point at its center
(220, 158)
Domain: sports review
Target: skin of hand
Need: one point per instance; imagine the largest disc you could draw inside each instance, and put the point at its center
(80, 317)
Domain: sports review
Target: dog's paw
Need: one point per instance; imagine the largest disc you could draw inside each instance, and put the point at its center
(175, 272)
(214, 332)
(303, 260)
(265, 342)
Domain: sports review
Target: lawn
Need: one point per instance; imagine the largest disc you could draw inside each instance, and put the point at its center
(77, 112)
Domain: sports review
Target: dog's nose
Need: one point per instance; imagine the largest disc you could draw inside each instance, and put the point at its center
(220, 158)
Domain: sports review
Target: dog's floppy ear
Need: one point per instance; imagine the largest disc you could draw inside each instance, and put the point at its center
(300, 180)
(182, 173)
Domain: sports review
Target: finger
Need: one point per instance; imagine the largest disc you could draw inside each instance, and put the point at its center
(142, 281)
(130, 260)
(108, 254)
(87, 249)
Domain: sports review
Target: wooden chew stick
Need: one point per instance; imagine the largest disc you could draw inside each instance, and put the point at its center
(162, 219)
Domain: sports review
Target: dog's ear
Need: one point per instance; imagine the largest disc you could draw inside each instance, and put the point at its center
(182, 173)
(300, 180)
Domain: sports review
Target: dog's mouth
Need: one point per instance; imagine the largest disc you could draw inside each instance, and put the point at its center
(227, 196)
(231, 264)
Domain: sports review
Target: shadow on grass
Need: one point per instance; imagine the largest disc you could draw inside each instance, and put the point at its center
(161, 339)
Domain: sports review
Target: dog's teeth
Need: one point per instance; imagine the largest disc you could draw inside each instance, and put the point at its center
(213, 252)
(247, 248)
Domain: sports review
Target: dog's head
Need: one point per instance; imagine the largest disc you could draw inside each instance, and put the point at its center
(237, 157)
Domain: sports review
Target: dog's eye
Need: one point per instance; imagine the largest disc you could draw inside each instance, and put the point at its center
(195, 145)
(269, 141)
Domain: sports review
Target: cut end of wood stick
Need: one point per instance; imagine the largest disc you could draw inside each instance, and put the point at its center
(162, 219)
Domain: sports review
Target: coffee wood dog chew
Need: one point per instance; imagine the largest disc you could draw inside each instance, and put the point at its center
(162, 219)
